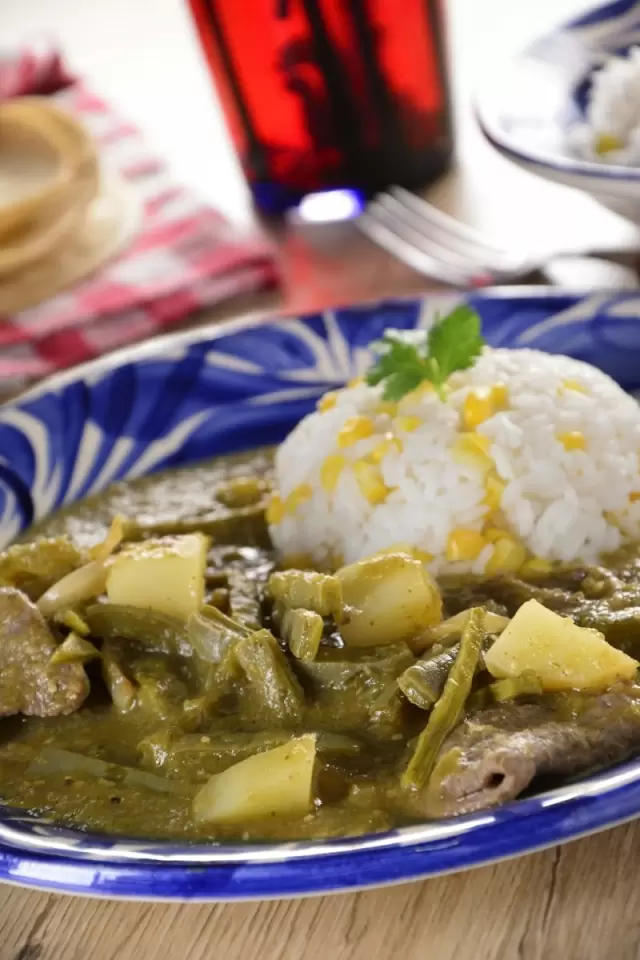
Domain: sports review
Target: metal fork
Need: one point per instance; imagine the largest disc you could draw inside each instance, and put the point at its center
(435, 244)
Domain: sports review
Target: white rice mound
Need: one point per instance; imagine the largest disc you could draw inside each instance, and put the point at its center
(557, 504)
(611, 131)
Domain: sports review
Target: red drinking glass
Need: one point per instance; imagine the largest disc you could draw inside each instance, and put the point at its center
(326, 94)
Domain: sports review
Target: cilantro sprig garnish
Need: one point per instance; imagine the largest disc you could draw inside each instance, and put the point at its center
(406, 358)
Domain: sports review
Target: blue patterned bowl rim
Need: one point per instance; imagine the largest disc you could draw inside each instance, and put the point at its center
(314, 352)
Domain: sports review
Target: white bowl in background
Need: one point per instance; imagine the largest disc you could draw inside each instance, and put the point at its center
(527, 109)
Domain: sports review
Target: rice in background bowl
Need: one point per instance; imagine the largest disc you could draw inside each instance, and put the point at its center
(530, 459)
(611, 131)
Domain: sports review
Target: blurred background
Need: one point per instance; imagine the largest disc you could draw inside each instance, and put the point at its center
(144, 57)
(170, 236)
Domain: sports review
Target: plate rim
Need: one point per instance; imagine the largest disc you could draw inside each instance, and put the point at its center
(154, 347)
(347, 873)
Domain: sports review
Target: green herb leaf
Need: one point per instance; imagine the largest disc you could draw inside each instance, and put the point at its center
(398, 384)
(406, 358)
(456, 341)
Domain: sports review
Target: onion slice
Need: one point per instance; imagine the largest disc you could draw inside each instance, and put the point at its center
(113, 539)
(87, 582)
(77, 587)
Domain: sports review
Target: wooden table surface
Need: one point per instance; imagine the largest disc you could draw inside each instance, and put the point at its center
(577, 902)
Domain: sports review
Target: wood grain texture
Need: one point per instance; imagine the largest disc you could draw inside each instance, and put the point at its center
(577, 902)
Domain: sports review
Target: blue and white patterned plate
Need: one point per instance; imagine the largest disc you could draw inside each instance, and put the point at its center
(242, 384)
(527, 107)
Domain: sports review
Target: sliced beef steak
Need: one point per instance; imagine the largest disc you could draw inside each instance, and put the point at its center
(495, 754)
(29, 682)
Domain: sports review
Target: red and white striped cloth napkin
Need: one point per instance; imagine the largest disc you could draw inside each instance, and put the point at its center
(185, 255)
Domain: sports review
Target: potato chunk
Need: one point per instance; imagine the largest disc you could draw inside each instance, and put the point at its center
(391, 597)
(165, 575)
(278, 782)
(561, 654)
